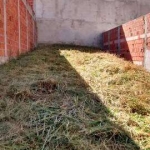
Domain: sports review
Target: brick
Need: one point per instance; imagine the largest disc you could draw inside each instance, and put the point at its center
(13, 28)
(30, 3)
(130, 49)
(2, 53)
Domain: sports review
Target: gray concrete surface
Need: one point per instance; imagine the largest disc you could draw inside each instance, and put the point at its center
(81, 22)
(147, 60)
(3, 60)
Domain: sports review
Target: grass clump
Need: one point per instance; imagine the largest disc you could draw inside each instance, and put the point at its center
(70, 97)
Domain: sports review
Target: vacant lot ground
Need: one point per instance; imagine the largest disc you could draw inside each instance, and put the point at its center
(75, 98)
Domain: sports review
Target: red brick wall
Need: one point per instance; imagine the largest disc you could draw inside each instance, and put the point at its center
(130, 39)
(30, 2)
(2, 44)
(12, 28)
(17, 28)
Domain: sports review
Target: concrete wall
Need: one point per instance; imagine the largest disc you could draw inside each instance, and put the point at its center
(81, 22)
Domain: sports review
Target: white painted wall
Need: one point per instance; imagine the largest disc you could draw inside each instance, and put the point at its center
(81, 22)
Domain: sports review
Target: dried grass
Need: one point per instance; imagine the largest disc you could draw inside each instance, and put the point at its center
(70, 97)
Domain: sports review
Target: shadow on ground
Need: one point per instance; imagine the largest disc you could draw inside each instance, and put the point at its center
(46, 104)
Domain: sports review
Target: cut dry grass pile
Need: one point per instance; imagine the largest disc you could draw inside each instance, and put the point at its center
(77, 98)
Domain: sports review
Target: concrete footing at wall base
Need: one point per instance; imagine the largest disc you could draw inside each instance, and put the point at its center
(147, 60)
(3, 60)
(139, 63)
